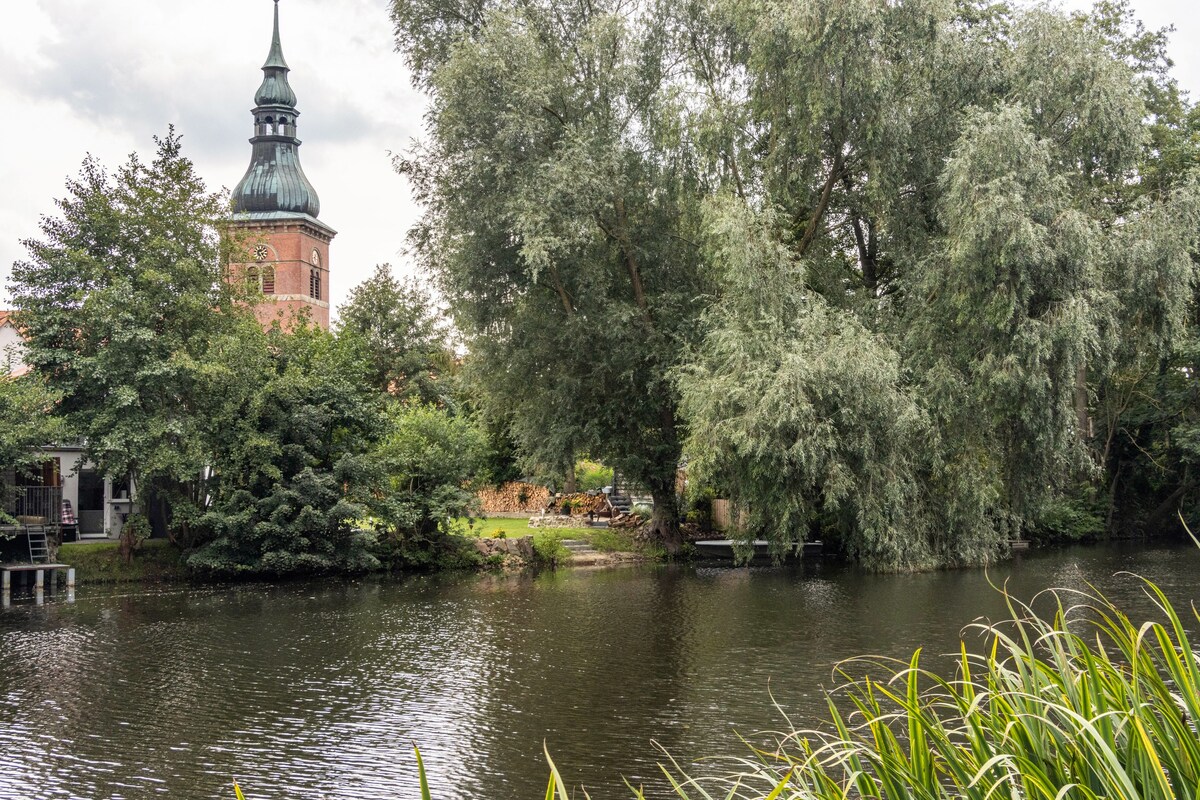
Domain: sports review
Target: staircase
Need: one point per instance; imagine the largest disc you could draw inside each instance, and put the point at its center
(582, 552)
(39, 547)
(625, 495)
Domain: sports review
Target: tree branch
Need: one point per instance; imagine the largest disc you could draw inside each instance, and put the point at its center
(810, 230)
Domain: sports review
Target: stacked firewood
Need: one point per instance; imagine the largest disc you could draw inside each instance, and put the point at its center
(582, 503)
(514, 498)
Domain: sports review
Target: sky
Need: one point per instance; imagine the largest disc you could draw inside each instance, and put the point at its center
(105, 76)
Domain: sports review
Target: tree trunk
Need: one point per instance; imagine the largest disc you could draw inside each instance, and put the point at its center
(664, 523)
(1167, 513)
(1083, 419)
(572, 483)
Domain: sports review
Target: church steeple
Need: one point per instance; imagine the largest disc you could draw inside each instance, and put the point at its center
(275, 57)
(275, 181)
(275, 210)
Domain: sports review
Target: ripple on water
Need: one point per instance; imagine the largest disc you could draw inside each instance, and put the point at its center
(318, 690)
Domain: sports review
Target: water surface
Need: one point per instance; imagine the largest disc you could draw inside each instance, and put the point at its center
(317, 690)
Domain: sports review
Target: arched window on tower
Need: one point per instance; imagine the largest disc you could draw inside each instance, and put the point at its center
(253, 278)
(268, 280)
(314, 284)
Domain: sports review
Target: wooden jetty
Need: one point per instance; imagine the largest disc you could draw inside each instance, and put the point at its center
(39, 580)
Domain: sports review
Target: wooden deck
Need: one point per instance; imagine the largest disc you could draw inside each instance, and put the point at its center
(31, 567)
(39, 581)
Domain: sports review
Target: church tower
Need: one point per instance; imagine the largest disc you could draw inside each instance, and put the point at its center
(275, 208)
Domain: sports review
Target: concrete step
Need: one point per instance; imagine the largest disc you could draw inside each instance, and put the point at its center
(579, 549)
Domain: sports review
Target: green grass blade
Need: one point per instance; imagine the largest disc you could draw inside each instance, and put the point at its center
(421, 775)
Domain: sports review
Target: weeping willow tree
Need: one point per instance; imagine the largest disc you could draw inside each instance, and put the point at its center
(931, 265)
(883, 270)
(560, 224)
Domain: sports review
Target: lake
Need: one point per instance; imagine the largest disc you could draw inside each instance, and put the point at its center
(318, 690)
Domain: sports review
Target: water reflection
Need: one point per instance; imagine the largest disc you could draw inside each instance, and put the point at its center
(317, 690)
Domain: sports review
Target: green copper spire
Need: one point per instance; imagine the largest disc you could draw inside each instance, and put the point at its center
(275, 182)
(275, 57)
(275, 90)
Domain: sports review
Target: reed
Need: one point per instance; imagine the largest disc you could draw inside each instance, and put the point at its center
(1078, 703)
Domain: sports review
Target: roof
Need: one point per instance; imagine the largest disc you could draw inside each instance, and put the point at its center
(275, 90)
(283, 216)
(275, 181)
(6, 316)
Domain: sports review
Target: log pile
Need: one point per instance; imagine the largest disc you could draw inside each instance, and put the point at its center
(583, 503)
(514, 498)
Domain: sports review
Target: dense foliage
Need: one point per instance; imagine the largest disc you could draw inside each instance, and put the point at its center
(915, 277)
(405, 337)
(291, 470)
(256, 452)
(121, 302)
(429, 461)
(560, 225)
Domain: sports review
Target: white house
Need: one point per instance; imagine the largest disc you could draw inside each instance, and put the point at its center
(66, 480)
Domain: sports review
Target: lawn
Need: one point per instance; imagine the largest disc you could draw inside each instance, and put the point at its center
(603, 539)
(488, 528)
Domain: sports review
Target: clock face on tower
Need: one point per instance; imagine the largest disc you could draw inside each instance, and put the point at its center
(261, 253)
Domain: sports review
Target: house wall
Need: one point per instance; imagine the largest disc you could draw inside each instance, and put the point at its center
(69, 463)
(11, 347)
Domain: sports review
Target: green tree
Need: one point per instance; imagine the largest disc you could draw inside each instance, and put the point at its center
(27, 423)
(966, 207)
(120, 301)
(943, 191)
(560, 222)
(430, 461)
(404, 334)
(291, 471)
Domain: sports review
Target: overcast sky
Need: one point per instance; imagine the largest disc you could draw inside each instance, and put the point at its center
(104, 76)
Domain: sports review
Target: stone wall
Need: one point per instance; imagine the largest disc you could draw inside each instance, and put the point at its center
(557, 521)
(521, 548)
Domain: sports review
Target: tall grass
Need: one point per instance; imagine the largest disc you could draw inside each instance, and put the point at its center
(1078, 703)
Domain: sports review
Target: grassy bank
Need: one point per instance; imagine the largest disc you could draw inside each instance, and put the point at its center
(606, 540)
(514, 527)
(157, 560)
(100, 562)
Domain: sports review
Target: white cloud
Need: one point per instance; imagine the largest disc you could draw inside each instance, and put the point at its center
(76, 79)
(77, 76)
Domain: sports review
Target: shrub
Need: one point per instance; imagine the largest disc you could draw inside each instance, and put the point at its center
(135, 531)
(592, 476)
(1071, 519)
(548, 550)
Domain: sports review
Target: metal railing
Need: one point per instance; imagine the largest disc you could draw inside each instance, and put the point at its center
(36, 505)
